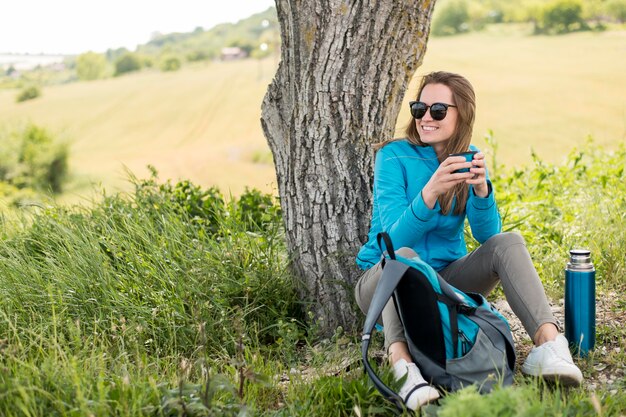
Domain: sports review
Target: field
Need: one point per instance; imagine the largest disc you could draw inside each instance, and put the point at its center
(202, 123)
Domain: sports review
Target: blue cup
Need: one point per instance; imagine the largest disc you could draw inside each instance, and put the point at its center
(469, 156)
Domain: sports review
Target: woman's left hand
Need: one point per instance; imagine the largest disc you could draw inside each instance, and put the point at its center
(479, 180)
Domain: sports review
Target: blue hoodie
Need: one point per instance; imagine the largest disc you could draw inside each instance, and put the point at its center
(401, 171)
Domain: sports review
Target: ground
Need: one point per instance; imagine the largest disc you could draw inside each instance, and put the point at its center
(603, 368)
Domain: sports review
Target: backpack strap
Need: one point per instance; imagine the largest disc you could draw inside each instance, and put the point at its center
(393, 272)
(388, 245)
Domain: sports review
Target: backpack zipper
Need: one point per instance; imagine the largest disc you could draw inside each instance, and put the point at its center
(466, 344)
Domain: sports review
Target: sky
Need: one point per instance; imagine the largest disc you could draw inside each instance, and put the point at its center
(77, 26)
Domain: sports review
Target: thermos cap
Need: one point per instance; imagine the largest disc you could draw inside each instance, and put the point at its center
(580, 259)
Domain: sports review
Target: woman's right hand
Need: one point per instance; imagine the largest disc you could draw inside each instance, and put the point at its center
(444, 179)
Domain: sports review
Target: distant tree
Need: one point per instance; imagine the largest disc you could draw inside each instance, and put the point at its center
(198, 55)
(28, 93)
(10, 71)
(344, 69)
(32, 157)
(245, 45)
(617, 10)
(170, 63)
(453, 18)
(128, 62)
(91, 66)
(146, 61)
(113, 54)
(562, 16)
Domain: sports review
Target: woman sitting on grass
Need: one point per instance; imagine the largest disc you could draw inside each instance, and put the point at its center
(421, 200)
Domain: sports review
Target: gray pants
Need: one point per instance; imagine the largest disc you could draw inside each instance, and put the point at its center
(503, 258)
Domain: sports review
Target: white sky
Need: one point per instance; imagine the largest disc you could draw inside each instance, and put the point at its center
(76, 26)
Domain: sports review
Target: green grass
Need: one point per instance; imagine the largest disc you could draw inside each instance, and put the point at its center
(169, 301)
(202, 122)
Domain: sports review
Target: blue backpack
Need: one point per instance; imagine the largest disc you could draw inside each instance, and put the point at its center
(455, 338)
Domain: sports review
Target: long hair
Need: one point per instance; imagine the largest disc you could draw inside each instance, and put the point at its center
(464, 98)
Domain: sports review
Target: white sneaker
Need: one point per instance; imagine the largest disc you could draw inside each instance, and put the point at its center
(552, 360)
(415, 391)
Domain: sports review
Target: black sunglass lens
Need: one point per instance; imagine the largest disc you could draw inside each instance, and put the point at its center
(418, 110)
(438, 111)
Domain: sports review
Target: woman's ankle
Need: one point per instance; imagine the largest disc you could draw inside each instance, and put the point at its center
(397, 351)
(547, 332)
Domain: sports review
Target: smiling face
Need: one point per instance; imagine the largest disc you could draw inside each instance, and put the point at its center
(437, 132)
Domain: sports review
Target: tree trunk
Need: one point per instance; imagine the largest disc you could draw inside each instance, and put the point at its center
(344, 69)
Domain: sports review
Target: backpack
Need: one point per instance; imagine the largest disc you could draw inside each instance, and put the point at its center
(455, 338)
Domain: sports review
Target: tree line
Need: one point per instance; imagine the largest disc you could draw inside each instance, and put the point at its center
(551, 17)
(257, 36)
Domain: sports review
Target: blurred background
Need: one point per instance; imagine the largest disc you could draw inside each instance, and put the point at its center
(91, 95)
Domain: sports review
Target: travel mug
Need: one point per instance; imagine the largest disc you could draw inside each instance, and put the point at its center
(580, 302)
(469, 155)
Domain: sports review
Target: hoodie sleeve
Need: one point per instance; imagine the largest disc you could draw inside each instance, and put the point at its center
(482, 214)
(405, 221)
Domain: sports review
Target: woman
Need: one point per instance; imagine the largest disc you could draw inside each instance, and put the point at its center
(422, 201)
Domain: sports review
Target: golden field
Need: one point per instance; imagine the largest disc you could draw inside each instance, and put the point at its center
(202, 123)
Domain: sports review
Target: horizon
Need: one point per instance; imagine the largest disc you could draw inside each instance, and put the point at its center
(111, 25)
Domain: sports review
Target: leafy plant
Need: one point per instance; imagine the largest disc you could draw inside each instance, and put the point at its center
(562, 16)
(28, 93)
(453, 18)
(170, 63)
(129, 62)
(91, 66)
(32, 157)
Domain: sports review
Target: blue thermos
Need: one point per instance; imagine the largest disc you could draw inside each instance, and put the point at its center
(580, 302)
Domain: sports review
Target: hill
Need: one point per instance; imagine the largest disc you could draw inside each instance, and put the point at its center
(202, 122)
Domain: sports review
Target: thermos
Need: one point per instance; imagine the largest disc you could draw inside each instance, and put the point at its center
(580, 301)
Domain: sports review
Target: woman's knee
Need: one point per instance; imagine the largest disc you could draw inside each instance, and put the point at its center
(406, 252)
(505, 240)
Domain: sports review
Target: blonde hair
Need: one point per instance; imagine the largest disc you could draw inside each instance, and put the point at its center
(465, 100)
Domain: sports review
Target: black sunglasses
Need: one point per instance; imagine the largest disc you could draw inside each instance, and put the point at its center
(438, 111)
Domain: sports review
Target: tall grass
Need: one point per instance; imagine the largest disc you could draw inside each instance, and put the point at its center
(578, 204)
(93, 297)
(170, 301)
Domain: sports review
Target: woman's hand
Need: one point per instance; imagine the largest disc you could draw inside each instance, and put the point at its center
(479, 178)
(444, 178)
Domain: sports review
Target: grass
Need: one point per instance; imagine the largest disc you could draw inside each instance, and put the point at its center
(169, 301)
(202, 123)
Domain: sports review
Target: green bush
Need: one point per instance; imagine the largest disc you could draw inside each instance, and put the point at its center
(91, 66)
(562, 16)
(28, 93)
(31, 157)
(126, 63)
(580, 203)
(452, 19)
(170, 64)
(617, 10)
(198, 55)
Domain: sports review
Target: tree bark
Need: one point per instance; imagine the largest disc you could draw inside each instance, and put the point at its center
(344, 69)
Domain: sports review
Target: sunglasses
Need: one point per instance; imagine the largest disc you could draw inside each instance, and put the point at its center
(438, 111)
